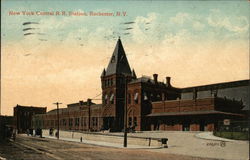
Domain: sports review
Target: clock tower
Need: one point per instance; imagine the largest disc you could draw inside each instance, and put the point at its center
(114, 79)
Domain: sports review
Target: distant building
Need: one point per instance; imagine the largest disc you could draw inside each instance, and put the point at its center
(77, 116)
(5, 123)
(23, 116)
(151, 104)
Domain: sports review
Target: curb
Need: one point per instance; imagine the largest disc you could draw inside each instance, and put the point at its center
(103, 145)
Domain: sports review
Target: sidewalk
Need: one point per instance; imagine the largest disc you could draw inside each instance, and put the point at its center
(210, 136)
(104, 144)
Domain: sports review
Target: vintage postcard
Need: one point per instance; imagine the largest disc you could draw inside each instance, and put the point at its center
(116, 80)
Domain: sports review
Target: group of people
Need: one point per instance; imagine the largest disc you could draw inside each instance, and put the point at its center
(38, 132)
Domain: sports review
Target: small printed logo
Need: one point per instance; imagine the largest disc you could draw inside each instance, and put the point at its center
(213, 144)
(222, 143)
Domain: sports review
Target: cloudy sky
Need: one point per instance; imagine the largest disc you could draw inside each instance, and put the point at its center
(194, 42)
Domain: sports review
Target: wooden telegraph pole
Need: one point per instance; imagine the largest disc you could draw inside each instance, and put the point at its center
(89, 104)
(57, 104)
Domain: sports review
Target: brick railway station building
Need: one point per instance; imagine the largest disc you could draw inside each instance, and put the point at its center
(23, 116)
(151, 104)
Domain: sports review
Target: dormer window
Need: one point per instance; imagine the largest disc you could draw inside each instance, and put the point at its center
(113, 59)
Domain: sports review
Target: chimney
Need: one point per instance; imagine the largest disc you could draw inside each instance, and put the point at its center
(155, 77)
(168, 81)
(81, 103)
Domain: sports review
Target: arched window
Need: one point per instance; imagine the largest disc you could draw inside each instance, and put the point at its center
(105, 99)
(111, 98)
(136, 98)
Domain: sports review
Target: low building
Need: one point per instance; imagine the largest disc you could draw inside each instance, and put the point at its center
(23, 116)
(193, 115)
(6, 123)
(77, 116)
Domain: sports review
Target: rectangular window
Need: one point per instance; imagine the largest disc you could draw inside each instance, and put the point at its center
(76, 121)
(93, 121)
(70, 122)
(96, 121)
(81, 121)
(135, 121)
(85, 121)
(64, 122)
(130, 121)
(52, 123)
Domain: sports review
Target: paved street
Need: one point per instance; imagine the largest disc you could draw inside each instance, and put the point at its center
(30, 148)
(190, 144)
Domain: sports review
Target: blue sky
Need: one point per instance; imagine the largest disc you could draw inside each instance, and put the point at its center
(189, 15)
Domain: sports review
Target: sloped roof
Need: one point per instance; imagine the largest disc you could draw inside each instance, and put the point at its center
(118, 63)
(192, 113)
(222, 85)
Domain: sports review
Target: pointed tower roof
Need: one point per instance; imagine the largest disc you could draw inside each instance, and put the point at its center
(118, 63)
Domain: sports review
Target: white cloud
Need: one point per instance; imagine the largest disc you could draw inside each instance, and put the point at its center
(141, 31)
(177, 39)
(188, 20)
(198, 25)
(234, 24)
(180, 18)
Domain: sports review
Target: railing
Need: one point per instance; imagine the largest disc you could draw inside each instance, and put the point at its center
(238, 130)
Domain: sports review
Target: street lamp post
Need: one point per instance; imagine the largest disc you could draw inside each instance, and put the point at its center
(57, 104)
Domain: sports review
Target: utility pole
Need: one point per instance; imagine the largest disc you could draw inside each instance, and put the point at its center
(125, 114)
(89, 104)
(57, 104)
